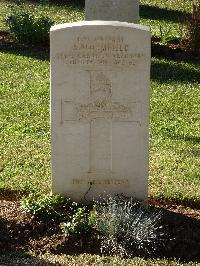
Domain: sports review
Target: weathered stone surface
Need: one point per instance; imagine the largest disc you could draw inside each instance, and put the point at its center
(100, 75)
(112, 10)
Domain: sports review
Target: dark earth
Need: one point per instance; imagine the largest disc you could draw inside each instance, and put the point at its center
(20, 232)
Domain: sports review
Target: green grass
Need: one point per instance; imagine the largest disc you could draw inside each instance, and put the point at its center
(175, 130)
(170, 4)
(3, 13)
(24, 123)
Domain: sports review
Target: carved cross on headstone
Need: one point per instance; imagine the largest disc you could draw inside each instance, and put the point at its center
(112, 10)
(101, 112)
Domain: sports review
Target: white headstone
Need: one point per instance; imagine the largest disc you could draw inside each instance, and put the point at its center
(112, 10)
(100, 75)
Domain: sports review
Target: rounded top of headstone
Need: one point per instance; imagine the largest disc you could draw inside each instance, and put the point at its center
(99, 23)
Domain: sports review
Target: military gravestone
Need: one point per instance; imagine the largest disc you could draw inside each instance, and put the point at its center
(112, 10)
(100, 109)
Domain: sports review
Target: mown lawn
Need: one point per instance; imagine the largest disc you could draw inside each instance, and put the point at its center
(175, 116)
(175, 130)
(24, 108)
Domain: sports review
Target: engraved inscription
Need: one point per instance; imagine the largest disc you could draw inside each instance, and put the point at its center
(78, 181)
(99, 50)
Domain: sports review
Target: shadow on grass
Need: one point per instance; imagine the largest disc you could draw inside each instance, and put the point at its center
(173, 71)
(23, 50)
(188, 138)
(75, 3)
(157, 13)
(195, 151)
